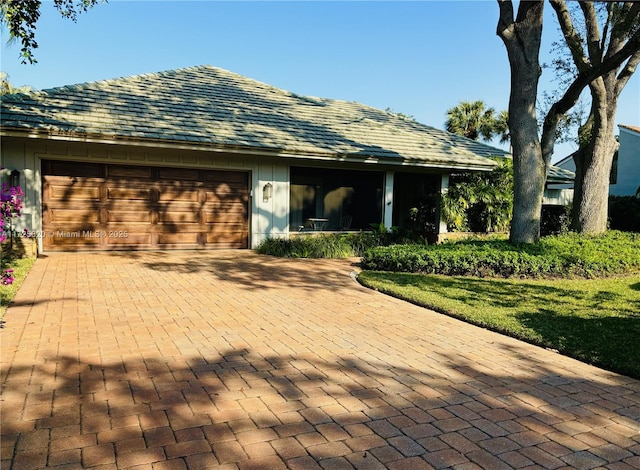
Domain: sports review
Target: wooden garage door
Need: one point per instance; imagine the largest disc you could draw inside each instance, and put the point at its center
(105, 207)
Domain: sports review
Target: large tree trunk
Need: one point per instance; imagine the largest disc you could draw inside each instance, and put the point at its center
(522, 40)
(593, 162)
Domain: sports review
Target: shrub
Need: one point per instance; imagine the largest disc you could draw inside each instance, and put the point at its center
(554, 220)
(339, 245)
(568, 255)
(480, 202)
(624, 213)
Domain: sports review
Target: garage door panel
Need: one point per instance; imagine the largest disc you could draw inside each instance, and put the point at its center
(225, 218)
(240, 180)
(66, 192)
(143, 207)
(178, 217)
(143, 215)
(179, 238)
(183, 174)
(221, 228)
(224, 192)
(74, 239)
(73, 216)
(128, 172)
(141, 240)
(225, 206)
(227, 239)
(132, 193)
(69, 169)
(179, 194)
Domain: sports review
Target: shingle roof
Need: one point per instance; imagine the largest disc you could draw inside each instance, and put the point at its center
(209, 106)
(559, 175)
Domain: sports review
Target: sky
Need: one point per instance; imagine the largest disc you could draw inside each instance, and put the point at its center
(419, 58)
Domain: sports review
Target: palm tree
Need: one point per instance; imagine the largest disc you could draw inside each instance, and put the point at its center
(6, 88)
(473, 120)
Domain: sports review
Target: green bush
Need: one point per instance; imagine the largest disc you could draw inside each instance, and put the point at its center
(554, 220)
(568, 255)
(336, 245)
(624, 213)
(478, 201)
(321, 246)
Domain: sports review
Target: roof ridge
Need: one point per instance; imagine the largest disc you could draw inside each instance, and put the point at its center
(134, 77)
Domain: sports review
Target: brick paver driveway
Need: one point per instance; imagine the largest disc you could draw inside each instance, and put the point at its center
(231, 360)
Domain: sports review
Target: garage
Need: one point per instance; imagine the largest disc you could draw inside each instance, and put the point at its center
(95, 206)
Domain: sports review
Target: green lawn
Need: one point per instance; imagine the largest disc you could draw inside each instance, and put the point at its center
(594, 320)
(21, 267)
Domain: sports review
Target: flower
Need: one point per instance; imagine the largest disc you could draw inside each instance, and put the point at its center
(7, 276)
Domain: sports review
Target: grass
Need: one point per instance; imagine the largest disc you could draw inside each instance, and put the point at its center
(21, 267)
(594, 320)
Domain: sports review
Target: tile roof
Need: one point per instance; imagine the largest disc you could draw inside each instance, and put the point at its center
(211, 107)
(556, 174)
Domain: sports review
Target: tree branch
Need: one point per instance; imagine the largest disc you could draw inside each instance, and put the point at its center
(593, 32)
(584, 78)
(626, 73)
(505, 20)
(574, 42)
(605, 30)
(622, 25)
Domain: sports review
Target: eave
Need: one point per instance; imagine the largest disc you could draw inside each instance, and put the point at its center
(484, 164)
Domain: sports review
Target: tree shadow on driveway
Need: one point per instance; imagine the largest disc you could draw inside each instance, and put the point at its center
(241, 408)
(250, 270)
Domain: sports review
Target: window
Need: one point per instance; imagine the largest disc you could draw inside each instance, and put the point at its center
(348, 199)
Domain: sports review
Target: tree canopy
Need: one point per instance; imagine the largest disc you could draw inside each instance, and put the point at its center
(472, 119)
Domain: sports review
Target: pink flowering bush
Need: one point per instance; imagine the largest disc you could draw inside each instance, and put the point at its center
(10, 206)
(7, 276)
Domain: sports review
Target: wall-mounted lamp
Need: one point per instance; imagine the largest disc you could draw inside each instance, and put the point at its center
(267, 191)
(14, 178)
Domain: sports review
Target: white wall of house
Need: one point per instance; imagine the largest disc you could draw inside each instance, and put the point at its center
(627, 179)
(557, 197)
(270, 216)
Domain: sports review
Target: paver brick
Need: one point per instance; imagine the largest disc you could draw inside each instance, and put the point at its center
(288, 448)
(140, 457)
(408, 447)
(336, 463)
(259, 362)
(411, 463)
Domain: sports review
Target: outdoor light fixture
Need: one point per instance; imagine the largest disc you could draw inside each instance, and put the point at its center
(266, 192)
(15, 178)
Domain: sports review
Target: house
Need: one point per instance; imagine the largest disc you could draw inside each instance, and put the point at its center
(625, 171)
(624, 179)
(204, 158)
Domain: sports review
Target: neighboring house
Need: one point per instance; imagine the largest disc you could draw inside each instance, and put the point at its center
(205, 158)
(559, 188)
(625, 169)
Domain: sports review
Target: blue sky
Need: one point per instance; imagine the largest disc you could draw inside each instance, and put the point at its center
(419, 57)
